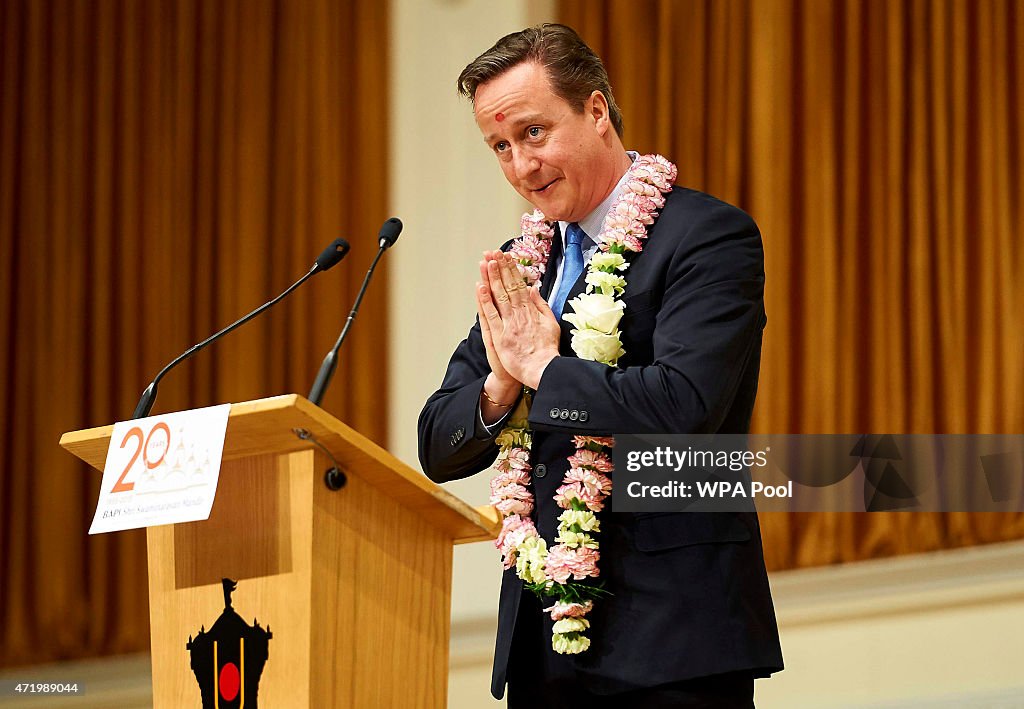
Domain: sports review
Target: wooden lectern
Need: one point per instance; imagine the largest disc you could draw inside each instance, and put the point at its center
(354, 585)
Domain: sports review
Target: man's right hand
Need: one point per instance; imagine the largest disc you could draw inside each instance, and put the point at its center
(500, 386)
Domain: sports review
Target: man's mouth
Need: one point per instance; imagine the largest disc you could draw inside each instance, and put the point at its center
(543, 189)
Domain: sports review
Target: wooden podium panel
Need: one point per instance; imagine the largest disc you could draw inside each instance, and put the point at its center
(354, 585)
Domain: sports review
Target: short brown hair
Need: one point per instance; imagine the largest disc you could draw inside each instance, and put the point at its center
(573, 68)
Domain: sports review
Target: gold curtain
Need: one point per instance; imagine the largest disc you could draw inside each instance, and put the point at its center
(166, 166)
(879, 146)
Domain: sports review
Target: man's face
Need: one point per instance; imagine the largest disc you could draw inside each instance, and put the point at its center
(555, 157)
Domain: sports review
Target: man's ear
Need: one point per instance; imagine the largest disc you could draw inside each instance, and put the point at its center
(597, 107)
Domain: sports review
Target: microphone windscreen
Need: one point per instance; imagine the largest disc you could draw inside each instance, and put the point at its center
(332, 254)
(388, 234)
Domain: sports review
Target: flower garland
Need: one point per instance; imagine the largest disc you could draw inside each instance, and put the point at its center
(554, 573)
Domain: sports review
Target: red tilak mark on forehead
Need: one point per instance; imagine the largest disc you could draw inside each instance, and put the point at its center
(499, 117)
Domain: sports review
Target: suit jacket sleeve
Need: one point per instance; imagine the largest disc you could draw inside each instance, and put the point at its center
(452, 442)
(707, 259)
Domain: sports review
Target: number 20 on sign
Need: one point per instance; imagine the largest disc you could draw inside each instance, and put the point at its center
(146, 447)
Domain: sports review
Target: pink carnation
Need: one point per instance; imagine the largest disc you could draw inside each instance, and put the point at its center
(514, 530)
(519, 477)
(525, 254)
(513, 459)
(665, 167)
(531, 248)
(648, 174)
(647, 206)
(531, 219)
(512, 491)
(624, 223)
(567, 493)
(563, 562)
(535, 224)
(512, 506)
(590, 459)
(594, 483)
(656, 162)
(633, 243)
(569, 610)
(630, 211)
(657, 165)
(661, 183)
(641, 187)
(614, 235)
(628, 241)
(652, 173)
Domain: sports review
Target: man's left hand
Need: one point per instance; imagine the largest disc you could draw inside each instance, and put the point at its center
(524, 330)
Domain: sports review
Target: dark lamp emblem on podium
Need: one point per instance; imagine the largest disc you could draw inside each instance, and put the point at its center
(228, 659)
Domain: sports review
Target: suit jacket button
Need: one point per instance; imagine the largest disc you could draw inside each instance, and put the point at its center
(573, 415)
(584, 416)
(553, 413)
(564, 414)
(541, 470)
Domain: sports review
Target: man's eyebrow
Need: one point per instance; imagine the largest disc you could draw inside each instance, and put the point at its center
(522, 120)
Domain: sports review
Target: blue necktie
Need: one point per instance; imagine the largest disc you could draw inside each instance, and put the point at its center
(572, 266)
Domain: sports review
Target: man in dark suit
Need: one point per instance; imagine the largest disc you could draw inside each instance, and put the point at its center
(689, 621)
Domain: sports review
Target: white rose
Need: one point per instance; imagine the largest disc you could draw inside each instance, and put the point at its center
(595, 311)
(605, 261)
(597, 346)
(606, 283)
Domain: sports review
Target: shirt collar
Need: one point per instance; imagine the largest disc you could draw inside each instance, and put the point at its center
(593, 222)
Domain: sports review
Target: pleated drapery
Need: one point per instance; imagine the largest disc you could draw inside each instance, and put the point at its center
(166, 166)
(879, 146)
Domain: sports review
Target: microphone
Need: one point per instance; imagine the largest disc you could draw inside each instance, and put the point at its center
(387, 236)
(389, 232)
(330, 256)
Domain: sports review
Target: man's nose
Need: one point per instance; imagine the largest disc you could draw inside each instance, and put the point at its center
(524, 163)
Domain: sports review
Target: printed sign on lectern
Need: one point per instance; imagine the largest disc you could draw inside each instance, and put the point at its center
(161, 470)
